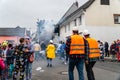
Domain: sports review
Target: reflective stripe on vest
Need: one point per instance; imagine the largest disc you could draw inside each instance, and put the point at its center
(93, 47)
(77, 45)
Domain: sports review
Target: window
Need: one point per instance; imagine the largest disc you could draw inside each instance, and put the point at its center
(117, 18)
(105, 2)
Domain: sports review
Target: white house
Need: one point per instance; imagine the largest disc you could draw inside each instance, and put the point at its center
(100, 17)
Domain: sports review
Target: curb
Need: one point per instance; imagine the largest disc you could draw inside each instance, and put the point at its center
(109, 58)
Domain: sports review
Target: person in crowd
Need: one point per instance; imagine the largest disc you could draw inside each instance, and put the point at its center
(1, 50)
(58, 52)
(62, 52)
(4, 51)
(20, 59)
(67, 51)
(99, 42)
(118, 50)
(113, 51)
(10, 59)
(2, 67)
(37, 49)
(30, 52)
(93, 54)
(75, 47)
(101, 47)
(42, 45)
(4, 56)
(106, 46)
(50, 53)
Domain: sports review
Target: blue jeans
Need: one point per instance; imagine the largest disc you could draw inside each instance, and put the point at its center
(79, 63)
(28, 71)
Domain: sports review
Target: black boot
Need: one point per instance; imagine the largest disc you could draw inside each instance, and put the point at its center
(48, 65)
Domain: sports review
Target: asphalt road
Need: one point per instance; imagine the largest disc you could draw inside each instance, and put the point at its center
(108, 65)
(103, 71)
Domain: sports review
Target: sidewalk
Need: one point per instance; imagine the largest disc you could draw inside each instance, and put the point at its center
(109, 58)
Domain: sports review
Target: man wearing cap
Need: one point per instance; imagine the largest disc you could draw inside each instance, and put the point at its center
(75, 46)
(93, 54)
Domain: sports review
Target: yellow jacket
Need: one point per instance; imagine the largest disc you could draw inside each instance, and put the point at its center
(50, 51)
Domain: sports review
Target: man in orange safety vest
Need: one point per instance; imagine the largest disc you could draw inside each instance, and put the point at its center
(93, 54)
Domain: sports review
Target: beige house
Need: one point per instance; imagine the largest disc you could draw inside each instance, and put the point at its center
(100, 17)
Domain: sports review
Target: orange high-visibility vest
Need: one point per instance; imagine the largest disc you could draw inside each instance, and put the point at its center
(77, 45)
(94, 48)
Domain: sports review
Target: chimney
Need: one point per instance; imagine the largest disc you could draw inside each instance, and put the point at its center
(76, 3)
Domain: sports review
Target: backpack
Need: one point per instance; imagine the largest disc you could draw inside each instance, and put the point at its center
(31, 58)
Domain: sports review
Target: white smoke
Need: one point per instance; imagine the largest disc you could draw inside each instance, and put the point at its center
(47, 32)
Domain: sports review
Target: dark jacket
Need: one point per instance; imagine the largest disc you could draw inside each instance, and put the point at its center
(113, 49)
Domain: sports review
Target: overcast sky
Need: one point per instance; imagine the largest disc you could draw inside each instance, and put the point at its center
(25, 13)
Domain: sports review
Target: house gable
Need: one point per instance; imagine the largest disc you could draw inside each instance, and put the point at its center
(75, 14)
(73, 8)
